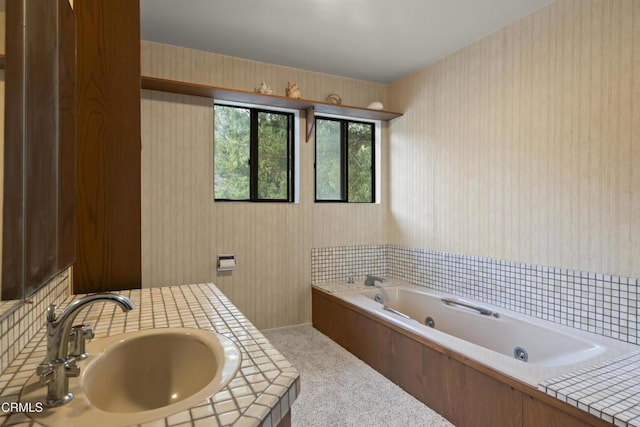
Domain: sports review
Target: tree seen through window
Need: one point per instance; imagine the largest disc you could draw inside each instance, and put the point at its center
(253, 154)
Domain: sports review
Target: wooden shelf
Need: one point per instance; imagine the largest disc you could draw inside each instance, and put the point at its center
(2, 61)
(306, 105)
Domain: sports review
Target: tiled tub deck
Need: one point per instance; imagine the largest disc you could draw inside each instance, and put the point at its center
(608, 389)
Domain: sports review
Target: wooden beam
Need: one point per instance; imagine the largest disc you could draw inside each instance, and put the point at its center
(311, 121)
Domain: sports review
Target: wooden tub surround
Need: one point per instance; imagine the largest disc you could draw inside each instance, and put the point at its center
(464, 391)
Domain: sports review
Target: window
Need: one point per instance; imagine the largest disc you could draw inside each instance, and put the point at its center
(253, 151)
(345, 161)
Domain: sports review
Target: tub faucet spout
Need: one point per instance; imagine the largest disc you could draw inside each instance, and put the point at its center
(62, 354)
(371, 280)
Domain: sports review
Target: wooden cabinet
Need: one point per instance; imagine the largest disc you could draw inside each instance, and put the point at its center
(40, 144)
(464, 392)
(109, 143)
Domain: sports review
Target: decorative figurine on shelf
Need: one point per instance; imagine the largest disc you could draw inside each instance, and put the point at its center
(293, 91)
(334, 98)
(377, 105)
(263, 88)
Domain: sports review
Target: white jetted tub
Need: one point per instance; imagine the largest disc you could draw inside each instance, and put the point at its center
(526, 348)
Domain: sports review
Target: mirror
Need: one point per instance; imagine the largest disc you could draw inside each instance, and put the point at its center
(38, 195)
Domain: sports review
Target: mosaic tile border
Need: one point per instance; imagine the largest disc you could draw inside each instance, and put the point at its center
(18, 327)
(599, 303)
(338, 263)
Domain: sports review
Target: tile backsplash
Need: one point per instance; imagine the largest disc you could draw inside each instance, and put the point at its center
(599, 303)
(337, 263)
(18, 327)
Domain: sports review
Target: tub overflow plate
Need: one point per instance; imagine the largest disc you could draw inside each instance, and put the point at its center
(430, 322)
(521, 354)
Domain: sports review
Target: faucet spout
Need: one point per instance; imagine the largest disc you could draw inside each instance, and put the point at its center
(371, 280)
(70, 312)
(59, 327)
(60, 362)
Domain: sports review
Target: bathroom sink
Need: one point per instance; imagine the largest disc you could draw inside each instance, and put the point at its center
(140, 376)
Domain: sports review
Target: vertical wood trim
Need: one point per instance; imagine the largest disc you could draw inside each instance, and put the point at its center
(41, 144)
(108, 236)
(67, 135)
(12, 218)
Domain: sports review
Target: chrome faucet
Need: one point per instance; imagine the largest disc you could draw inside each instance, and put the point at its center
(371, 280)
(382, 297)
(62, 354)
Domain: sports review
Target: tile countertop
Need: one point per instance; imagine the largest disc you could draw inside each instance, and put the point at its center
(608, 389)
(259, 395)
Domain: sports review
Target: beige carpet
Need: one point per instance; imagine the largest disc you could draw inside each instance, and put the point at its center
(339, 389)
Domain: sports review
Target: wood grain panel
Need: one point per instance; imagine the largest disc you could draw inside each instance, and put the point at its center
(367, 340)
(41, 121)
(474, 399)
(434, 371)
(2, 57)
(321, 312)
(3, 32)
(373, 342)
(109, 232)
(536, 413)
(67, 136)
(286, 420)
(407, 367)
(1, 166)
(524, 143)
(12, 218)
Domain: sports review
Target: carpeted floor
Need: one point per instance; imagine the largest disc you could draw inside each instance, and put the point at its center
(339, 389)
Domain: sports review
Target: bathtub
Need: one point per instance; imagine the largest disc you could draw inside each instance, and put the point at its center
(525, 348)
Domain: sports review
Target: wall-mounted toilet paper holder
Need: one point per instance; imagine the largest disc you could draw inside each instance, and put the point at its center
(226, 262)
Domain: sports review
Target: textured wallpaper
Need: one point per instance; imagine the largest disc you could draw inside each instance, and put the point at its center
(525, 145)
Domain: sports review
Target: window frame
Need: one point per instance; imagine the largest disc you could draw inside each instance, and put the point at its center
(344, 160)
(254, 112)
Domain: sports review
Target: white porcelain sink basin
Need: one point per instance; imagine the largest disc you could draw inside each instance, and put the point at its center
(141, 376)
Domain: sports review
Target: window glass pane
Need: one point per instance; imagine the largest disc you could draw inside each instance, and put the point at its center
(328, 160)
(231, 144)
(360, 162)
(273, 158)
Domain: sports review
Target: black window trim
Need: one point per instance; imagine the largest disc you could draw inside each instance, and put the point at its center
(253, 154)
(344, 161)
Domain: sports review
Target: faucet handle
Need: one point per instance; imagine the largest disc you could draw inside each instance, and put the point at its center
(51, 313)
(46, 373)
(71, 369)
(78, 335)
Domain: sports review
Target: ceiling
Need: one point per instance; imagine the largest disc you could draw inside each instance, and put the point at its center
(375, 40)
